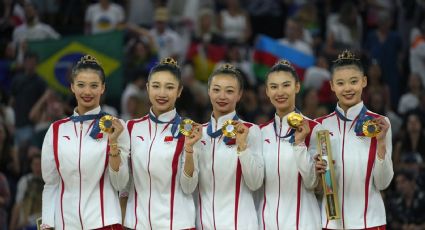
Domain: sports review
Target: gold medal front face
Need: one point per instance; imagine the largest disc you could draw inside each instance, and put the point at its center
(105, 123)
(295, 120)
(229, 129)
(186, 127)
(370, 128)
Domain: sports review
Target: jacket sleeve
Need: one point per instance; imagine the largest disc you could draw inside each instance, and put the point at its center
(304, 159)
(251, 160)
(119, 179)
(51, 180)
(383, 169)
(189, 184)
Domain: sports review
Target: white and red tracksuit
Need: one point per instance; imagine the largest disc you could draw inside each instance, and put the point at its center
(288, 200)
(160, 195)
(360, 175)
(80, 190)
(226, 180)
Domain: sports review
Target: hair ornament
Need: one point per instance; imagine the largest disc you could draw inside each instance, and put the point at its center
(169, 61)
(86, 59)
(346, 55)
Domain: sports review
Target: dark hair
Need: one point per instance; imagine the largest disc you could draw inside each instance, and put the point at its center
(170, 65)
(346, 58)
(408, 174)
(230, 70)
(88, 62)
(284, 66)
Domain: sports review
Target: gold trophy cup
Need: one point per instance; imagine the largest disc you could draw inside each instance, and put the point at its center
(186, 127)
(105, 123)
(295, 120)
(328, 178)
(229, 129)
(370, 128)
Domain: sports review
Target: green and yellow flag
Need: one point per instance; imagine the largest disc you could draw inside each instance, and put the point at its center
(56, 58)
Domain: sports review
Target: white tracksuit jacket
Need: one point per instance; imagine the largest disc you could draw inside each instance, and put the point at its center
(360, 175)
(287, 199)
(227, 181)
(160, 194)
(80, 190)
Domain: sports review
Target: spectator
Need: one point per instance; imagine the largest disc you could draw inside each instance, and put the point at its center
(29, 210)
(234, 23)
(140, 12)
(206, 46)
(377, 102)
(407, 209)
(417, 51)
(384, 45)
(4, 201)
(294, 37)
(410, 100)
(103, 16)
(375, 84)
(7, 115)
(167, 41)
(317, 77)
(25, 188)
(135, 90)
(344, 30)
(27, 88)
(412, 138)
(311, 107)
(31, 30)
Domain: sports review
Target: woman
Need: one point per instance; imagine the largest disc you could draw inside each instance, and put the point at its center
(289, 201)
(363, 165)
(160, 195)
(228, 169)
(82, 167)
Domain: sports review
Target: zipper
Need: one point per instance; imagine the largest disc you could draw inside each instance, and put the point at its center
(79, 172)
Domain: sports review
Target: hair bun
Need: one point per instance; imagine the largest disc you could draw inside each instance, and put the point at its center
(88, 59)
(169, 61)
(346, 55)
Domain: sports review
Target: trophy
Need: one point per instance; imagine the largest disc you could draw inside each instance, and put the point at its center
(105, 123)
(295, 120)
(328, 178)
(186, 127)
(229, 129)
(370, 128)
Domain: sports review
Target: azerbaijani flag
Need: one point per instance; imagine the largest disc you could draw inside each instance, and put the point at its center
(268, 51)
(204, 58)
(57, 57)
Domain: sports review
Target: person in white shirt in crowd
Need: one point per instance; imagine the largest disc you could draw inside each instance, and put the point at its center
(168, 43)
(288, 200)
(294, 37)
(31, 30)
(363, 164)
(228, 170)
(410, 100)
(234, 23)
(82, 167)
(417, 51)
(103, 16)
(160, 192)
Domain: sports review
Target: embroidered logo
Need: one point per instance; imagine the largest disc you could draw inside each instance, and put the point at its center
(204, 142)
(141, 138)
(67, 137)
(168, 139)
(331, 133)
(267, 140)
(99, 136)
(230, 142)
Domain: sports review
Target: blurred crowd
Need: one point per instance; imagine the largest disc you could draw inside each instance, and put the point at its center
(388, 36)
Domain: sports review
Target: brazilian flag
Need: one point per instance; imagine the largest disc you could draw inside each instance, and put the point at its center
(57, 57)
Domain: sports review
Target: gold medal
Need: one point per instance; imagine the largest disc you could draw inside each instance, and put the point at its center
(295, 120)
(105, 123)
(370, 128)
(186, 127)
(229, 129)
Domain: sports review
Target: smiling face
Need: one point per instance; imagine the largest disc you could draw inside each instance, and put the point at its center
(87, 88)
(348, 83)
(163, 90)
(281, 90)
(224, 92)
